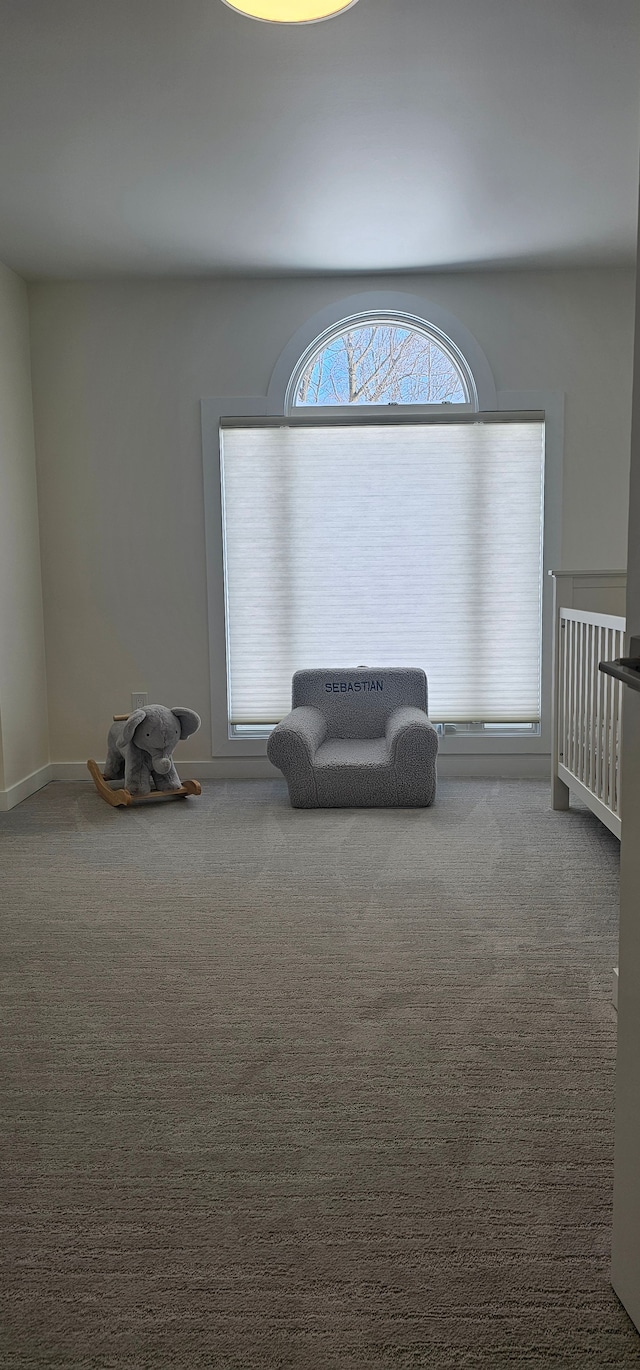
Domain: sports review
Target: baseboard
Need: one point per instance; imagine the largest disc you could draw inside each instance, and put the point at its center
(16, 793)
(226, 768)
(521, 766)
(496, 766)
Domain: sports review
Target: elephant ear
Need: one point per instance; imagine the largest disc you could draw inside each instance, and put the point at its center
(131, 724)
(189, 721)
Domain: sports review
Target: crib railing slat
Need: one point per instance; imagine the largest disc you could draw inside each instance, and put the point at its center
(597, 784)
(574, 696)
(588, 704)
(584, 678)
(593, 673)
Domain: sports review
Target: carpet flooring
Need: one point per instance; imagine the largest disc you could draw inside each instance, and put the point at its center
(308, 1090)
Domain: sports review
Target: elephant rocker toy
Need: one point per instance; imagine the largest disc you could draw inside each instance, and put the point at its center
(140, 747)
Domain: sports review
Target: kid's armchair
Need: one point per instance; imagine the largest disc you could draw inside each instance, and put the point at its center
(357, 739)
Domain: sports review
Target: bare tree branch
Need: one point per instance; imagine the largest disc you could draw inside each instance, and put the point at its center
(383, 363)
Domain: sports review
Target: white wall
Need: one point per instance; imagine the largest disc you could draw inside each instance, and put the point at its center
(24, 747)
(119, 371)
(625, 1266)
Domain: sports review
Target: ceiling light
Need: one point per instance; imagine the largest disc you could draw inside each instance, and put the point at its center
(290, 11)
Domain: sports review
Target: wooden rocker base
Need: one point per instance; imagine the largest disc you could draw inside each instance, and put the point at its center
(119, 798)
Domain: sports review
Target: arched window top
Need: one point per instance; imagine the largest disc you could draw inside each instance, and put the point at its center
(384, 359)
(435, 359)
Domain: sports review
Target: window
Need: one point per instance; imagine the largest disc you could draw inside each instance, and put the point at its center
(380, 361)
(385, 541)
(385, 532)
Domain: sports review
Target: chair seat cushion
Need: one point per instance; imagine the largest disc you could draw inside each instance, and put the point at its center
(354, 773)
(349, 751)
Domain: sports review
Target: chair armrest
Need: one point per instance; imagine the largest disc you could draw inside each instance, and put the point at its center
(406, 720)
(413, 752)
(304, 726)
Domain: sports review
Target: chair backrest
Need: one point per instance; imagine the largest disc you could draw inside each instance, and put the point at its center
(357, 702)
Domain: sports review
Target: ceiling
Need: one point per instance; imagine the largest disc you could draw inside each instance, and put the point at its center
(175, 136)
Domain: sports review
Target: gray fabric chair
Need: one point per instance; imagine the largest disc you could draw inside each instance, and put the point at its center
(357, 739)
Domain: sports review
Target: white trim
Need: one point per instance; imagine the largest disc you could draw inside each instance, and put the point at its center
(521, 766)
(593, 577)
(494, 766)
(31, 783)
(382, 317)
(429, 315)
(551, 403)
(216, 768)
(212, 411)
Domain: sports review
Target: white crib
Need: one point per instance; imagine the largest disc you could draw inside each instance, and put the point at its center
(589, 627)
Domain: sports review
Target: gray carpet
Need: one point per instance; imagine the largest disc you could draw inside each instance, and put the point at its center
(329, 1090)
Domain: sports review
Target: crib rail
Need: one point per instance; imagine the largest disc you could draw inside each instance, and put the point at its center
(588, 710)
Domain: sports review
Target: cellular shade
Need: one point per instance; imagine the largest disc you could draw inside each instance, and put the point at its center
(417, 544)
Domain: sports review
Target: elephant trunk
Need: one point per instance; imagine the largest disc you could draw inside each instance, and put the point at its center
(163, 765)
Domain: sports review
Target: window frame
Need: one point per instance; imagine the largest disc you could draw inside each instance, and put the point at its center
(369, 319)
(463, 753)
(424, 313)
(362, 416)
(468, 749)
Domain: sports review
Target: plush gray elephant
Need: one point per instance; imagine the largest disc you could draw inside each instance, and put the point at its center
(140, 749)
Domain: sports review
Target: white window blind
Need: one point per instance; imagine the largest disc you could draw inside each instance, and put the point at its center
(409, 544)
